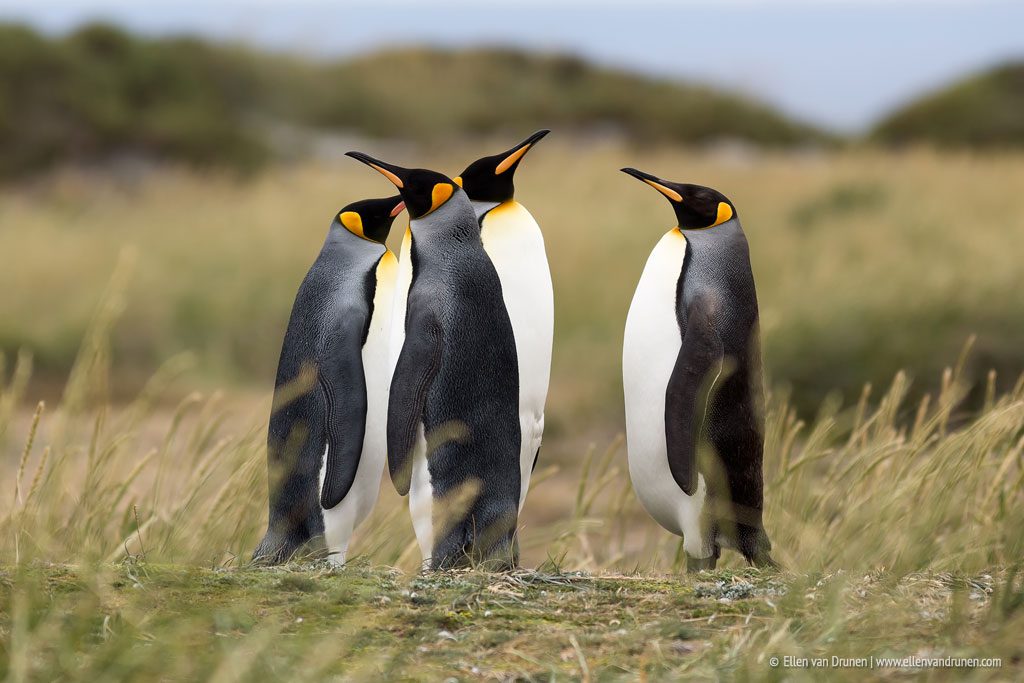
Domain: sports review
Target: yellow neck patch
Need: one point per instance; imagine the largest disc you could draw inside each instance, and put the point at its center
(353, 222)
(667, 191)
(512, 158)
(724, 214)
(457, 180)
(441, 193)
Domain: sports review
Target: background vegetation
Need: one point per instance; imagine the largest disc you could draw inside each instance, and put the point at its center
(981, 111)
(99, 92)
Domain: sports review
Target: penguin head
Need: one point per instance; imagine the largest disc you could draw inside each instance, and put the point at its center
(371, 218)
(697, 207)
(490, 179)
(422, 190)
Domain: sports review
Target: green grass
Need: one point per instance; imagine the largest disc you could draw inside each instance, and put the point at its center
(142, 622)
(137, 622)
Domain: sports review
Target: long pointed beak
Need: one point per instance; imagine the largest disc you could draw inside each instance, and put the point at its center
(399, 208)
(389, 171)
(655, 182)
(516, 153)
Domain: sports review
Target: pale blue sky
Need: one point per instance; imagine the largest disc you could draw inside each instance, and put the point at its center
(836, 62)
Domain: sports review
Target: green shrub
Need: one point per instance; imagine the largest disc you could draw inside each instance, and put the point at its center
(985, 110)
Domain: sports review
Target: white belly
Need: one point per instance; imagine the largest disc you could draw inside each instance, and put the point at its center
(650, 348)
(514, 243)
(403, 281)
(342, 519)
(421, 498)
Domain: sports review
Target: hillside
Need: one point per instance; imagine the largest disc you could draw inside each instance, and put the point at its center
(100, 92)
(985, 110)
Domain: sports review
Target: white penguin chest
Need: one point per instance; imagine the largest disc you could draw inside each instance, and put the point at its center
(515, 245)
(403, 281)
(650, 348)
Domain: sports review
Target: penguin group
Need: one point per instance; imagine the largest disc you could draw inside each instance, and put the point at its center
(437, 363)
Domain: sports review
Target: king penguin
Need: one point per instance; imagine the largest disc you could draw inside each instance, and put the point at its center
(456, 383)
(327, 439)
(692, 378)
(515, 245)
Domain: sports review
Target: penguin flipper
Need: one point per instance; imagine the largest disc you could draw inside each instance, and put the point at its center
(700, 357)
(343, 382)
(417, 366)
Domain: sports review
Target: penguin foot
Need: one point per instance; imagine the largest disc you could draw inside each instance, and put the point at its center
(756, 548)
(763, 561)
(700, 564)
(273, 550)
(277, 549)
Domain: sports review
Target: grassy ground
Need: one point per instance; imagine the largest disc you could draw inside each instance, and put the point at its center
(142, 622)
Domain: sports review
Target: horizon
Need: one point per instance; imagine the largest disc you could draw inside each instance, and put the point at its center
(874, 57)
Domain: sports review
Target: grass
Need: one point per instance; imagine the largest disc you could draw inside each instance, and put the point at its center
(127, 529)
(309, 623)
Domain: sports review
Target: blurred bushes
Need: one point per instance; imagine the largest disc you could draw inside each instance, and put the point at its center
(985, 110)
(98, 93)
(427, 93)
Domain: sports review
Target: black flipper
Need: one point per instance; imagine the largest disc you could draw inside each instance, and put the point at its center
(699, 359)
(418, 363)
(343, 382)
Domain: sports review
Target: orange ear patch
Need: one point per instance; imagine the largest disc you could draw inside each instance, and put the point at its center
(353, 222)
(724, 214)
(441, 193)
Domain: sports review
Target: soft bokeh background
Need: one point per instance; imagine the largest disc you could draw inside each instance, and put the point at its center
(874, 152)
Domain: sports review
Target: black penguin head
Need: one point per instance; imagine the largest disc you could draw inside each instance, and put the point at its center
(422, 190)
(371, 218)
(697, 207)
(490, 179)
